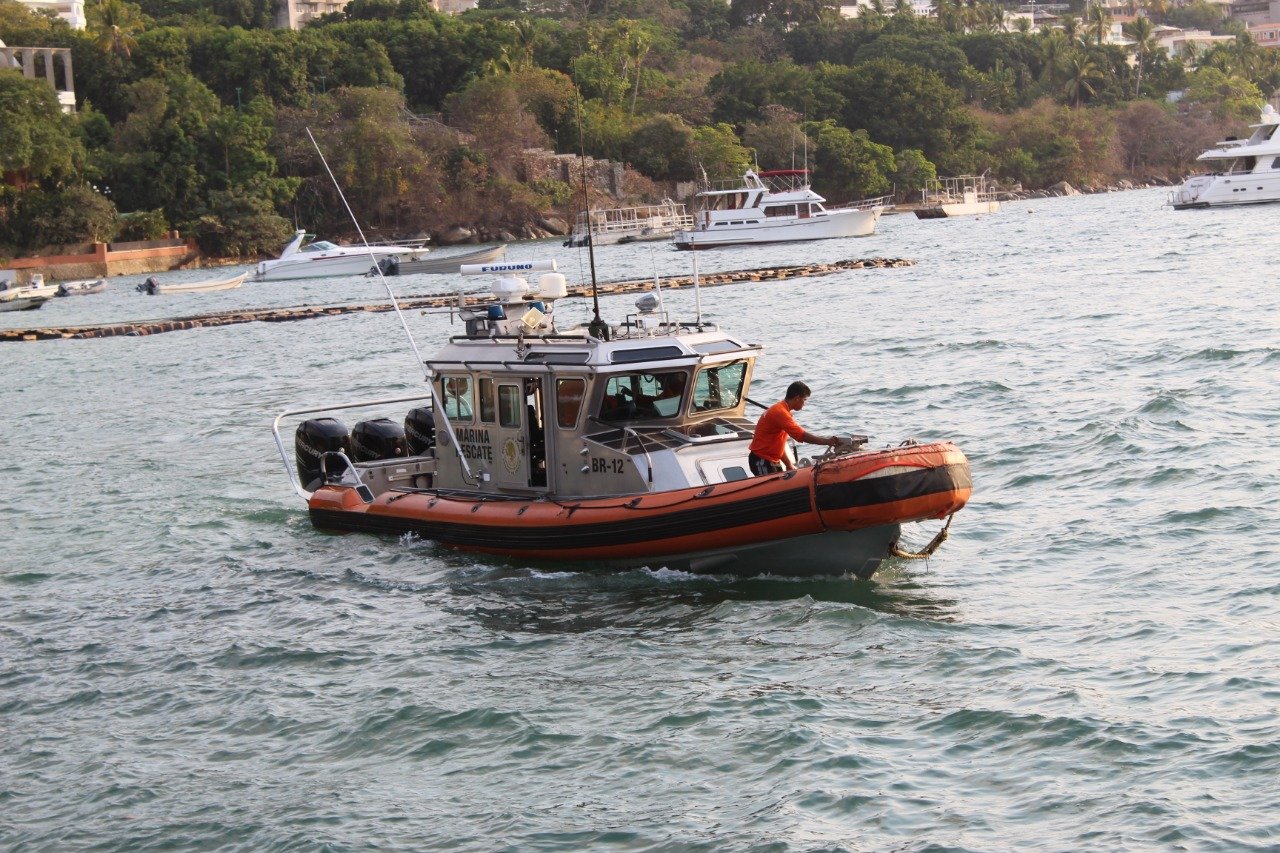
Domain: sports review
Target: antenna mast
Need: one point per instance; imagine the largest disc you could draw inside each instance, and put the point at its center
(597, 328)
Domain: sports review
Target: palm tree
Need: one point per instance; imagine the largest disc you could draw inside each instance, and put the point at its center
(1070, 27)
(1080, 74)
(1054, 48)
(1099, 21)
(1142, 32)
(116, 22)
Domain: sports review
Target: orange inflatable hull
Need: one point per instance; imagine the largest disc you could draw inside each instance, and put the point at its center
(868, 489)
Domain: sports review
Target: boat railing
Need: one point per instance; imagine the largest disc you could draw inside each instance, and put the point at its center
(628, 219)
(885, 201)
(334, 407)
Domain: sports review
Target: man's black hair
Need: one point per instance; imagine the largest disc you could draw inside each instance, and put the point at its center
(797, 389)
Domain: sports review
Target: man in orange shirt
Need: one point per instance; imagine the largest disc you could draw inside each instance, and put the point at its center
(769, 444)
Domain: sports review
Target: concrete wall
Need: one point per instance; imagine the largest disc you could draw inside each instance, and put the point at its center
(104, 260)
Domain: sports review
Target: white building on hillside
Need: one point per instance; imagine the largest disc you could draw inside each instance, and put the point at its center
(71, 11)
(294, 14)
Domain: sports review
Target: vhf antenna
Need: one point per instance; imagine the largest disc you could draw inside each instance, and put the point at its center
(597, 328)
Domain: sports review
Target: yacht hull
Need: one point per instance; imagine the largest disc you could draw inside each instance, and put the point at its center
(826, 226)
(836, 517)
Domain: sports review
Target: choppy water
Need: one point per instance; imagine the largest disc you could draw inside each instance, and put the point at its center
(1091, 662)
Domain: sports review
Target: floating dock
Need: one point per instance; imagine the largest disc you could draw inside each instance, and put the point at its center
(438, 300)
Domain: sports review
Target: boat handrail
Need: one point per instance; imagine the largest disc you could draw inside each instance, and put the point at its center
(284, 455)
(865, 203)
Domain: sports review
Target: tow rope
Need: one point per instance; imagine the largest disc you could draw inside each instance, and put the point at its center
(927, 551)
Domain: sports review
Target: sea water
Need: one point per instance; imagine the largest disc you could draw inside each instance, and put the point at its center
(1092, 661)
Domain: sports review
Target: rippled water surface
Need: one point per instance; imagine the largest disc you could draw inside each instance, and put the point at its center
(1091, 661)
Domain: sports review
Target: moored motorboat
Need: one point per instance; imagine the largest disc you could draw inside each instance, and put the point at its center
(607, 446)
(11, 290)
(774, 207)
(966, 195)
(607, 226)
(432, 265)
(1245, 171)
(82, 288)
(23, 303)
(153, 286)
(320, 259)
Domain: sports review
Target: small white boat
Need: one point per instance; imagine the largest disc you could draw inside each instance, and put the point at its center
(774, 207)
(37, 289)
(82, 288)
(322, 258)
(966, 195)
(153, 286)
(630, 224)
(1245, 170)
(23, 303)
(440, 265)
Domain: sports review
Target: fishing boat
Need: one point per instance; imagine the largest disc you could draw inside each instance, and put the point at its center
(605, 446)
(153, 286)
(774, 207)
(966, 195)
(629, 224)
(433, 265)
(82, 288)
(321, 258)
(1245, 170)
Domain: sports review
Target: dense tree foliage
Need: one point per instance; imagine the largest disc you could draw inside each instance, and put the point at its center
(196, 112)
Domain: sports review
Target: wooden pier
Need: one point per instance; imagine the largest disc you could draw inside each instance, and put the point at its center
(411, 302)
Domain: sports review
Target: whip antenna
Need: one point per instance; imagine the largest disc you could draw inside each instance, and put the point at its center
(597, 328)
(394, 304)
(426, 374)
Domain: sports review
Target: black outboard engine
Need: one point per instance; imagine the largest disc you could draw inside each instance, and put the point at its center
(420, 431)
(151, 286)
(381, 438)
(313, 440)
(390, 265)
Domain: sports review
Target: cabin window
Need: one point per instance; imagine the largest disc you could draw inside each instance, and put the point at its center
(456, 394)
(719, 387)
(782, 210)
(643, 395)
(486, 401)
(569, 394)
(509, 406)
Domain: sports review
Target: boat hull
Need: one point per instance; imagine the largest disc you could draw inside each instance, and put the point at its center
(836, 517)
(354, 263)
(944, 211)
(1226, 191)
(832, 224)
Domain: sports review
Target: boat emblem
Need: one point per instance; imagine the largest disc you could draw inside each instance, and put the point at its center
(511, 455)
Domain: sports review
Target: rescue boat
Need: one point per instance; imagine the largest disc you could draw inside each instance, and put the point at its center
(606, 446)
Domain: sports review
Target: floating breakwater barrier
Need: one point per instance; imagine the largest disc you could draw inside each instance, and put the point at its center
(437, 300)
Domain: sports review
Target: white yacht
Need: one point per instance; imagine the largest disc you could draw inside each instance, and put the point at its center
(774, 207)
(322, 258)
(1245, 171)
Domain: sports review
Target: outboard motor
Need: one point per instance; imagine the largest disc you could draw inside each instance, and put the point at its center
(381, 438)
(390, 265)
(313, 439)
(151, 286)
(420, 431)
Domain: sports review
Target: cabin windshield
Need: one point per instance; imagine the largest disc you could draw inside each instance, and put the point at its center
(643, 395)
(319, 246)
(719, 387)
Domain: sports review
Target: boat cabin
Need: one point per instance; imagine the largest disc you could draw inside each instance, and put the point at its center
(526, 409)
